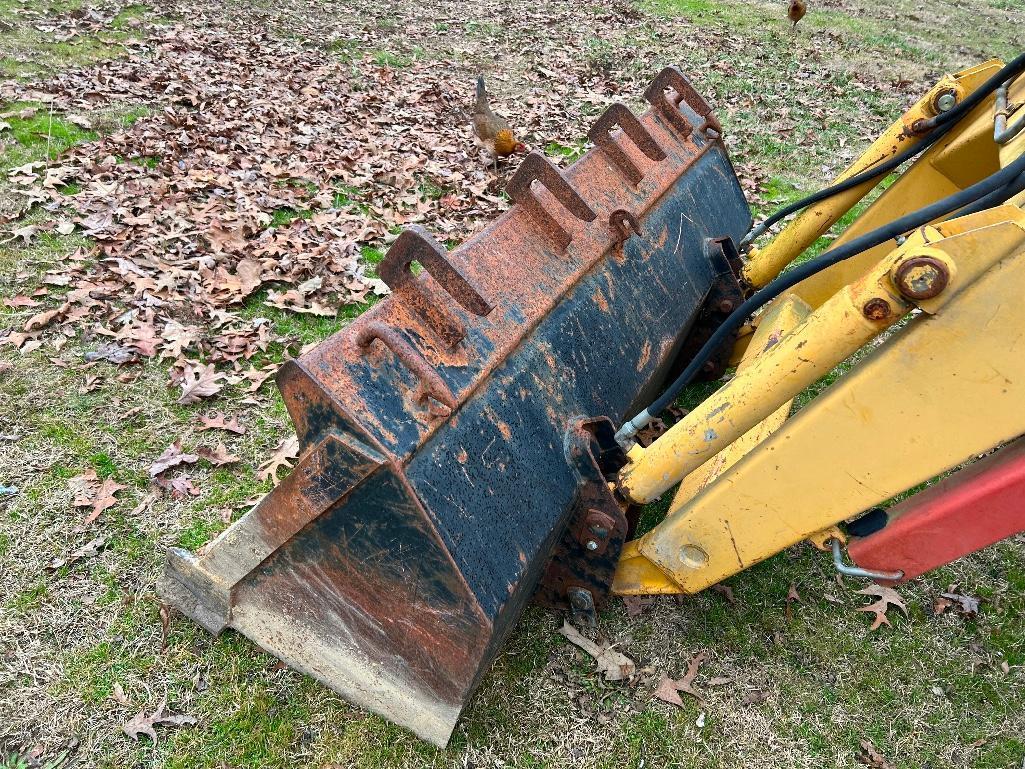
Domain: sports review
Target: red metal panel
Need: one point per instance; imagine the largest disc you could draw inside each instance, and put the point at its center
(968, 511)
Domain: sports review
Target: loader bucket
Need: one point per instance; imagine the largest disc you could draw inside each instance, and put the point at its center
(456, 438)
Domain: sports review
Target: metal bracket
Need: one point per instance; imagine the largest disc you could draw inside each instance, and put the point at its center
(672, 78)
(431, 383)
(857, 571)
(623, 224)
(579, 575)
(416, 245)
(601, 134)
(536, 168)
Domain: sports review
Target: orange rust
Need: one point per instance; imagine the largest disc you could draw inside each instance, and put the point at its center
(645, 355)
(519, 268)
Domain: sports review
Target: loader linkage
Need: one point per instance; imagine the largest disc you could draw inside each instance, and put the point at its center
(459, 450)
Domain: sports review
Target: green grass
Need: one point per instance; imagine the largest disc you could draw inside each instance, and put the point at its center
(39, 137)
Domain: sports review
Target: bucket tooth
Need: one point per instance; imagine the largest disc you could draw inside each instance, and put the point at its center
(671, 79)
(416, 245)
(537, 168)
(443, 454)
(601, 134)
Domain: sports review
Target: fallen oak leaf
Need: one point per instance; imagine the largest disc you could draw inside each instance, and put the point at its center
(143, 724)
(172, 457)
(285, 452)
(88, 550)
(636, 604)
(112, 353)
(217, 456)
(258, 376)
(887, 597)
(20, 301)
(104, 499)
(41, 320)
(83, 486)
(180, 486)
(26, 233)
(668, 689)
(119, 694)
(615, 666)
(870, 756)
(217, 421)
(792, 597)
(726, 592)
(966, 604)
(199, 382)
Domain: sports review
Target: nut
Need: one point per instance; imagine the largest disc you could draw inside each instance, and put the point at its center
(876, 309)
(591, 545)
(921, 277)
(944, 101)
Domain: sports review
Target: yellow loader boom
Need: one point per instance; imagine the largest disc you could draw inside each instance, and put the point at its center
(469, 444)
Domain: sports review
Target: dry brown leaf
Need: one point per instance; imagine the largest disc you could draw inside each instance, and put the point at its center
(217, 456)
(217, 421)
(636, 604)
(726, 592)
(966, 604)
(119, 694)
(143, 724)
(870, 756)
(199, 382)
(173, 456)
(614, 665)
(88, 550)
(180, 486)
(83, 488)
(887, 597)
(792, 597)
(41, 320)
(284, 454)
(668, 689)
(103, 500)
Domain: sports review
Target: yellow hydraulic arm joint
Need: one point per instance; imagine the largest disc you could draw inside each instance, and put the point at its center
(766, 263)
(935, 393)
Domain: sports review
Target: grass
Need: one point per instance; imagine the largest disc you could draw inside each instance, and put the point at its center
(72, 637)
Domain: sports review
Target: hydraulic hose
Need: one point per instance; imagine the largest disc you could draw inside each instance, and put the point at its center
(997, 182)
(936, 128)
(994, 198)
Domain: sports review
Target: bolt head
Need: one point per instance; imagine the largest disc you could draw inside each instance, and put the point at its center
(921, 277)
(876, 309)
(591, 545)
(946, 102)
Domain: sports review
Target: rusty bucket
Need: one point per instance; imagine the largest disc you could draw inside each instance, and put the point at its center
(456, 438)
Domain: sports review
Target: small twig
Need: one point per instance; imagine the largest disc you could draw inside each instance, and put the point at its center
(49, 135)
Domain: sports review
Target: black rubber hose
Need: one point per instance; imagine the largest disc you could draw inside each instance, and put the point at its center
(894, 229)
(939, 126)
(994, 198)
